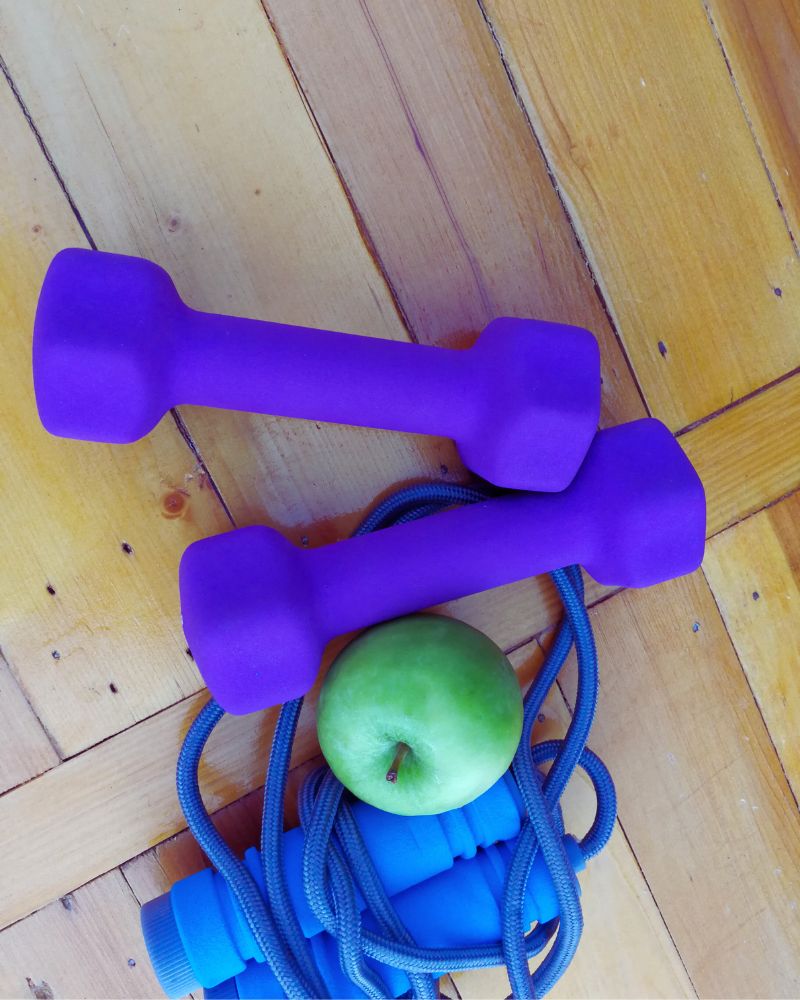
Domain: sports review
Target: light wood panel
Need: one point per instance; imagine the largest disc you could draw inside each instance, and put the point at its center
(702, 797)
(25, 749)
(87, 944)
(747, 457)
(636, 113)
(444, 171)
(762, 44)
(107, 805)
(754, 572)
(77, 612)
(153, 872)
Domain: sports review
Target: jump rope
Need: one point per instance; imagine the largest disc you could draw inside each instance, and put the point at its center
(335, 860)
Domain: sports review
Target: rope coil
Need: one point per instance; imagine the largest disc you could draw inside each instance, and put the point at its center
(335, 860)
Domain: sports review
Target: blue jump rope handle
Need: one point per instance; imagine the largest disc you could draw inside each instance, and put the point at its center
(469, 896)
(197, 929)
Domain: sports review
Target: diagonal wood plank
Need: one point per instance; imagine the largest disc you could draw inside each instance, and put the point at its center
(646, 138)
(78, 613)
(106, 805)
(444, 171)
(747, 456)
(762, 44)
(87, 944)
(702, 797)
(754, 572)
(25, 749)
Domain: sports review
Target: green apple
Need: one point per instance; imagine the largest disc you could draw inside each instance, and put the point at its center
(420, 715)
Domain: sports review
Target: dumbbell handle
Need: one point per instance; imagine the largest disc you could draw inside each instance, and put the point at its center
(294, 371)
(257, 611)
(115, 347)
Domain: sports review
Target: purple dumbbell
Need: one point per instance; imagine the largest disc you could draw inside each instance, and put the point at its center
(115, 347)
(258, 611)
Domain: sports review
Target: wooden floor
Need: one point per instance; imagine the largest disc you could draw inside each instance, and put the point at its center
(409, 170)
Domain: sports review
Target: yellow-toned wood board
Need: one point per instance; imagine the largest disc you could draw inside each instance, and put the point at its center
(153, 872)
(25, 749)
(754, 572)
(762, 44)
(78, 612)
(702, 797)
(646, 138)
(87, 944)
(748, 456)
(617, 903)
(444, 171)
(108, 804)
(210, 164)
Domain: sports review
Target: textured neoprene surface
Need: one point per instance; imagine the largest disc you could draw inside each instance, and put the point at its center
(257, 610)
(115, 348)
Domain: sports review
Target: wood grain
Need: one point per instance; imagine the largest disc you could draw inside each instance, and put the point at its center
(25, 749)
(747, 457)
(444, 171)
(762, 45)
(105, 806)
(635, 110)
(155, 871)
(754, 572)
(87, 944)
(616, 901)
(702, 798)
(77, 612)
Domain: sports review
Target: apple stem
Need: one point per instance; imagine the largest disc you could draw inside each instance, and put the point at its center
(399, 757)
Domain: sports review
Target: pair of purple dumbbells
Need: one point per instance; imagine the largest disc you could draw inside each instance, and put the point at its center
(115, 348)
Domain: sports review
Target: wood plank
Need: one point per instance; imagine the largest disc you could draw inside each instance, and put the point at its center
(762, 45)
(754, 572)
(25, 748)
(108, 804)
(87, 944)
(646, 138)
(444, 171)
(702, 797)
(244, 209)
(77, 612)
(747, 456)
(155, 871)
